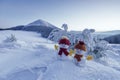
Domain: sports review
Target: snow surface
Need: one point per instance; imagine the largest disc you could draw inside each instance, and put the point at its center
(34, 58)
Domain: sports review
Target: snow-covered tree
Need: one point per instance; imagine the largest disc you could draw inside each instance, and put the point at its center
(87, 37)
(95, 46)
(56, 34)
(10, 42)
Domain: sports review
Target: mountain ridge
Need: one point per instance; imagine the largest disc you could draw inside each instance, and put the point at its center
(40, 26)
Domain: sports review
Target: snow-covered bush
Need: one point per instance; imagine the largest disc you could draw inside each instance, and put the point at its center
(95, 46)
(11, 38)
(87, 37)
(100, 49)
(10, 42)
(56, 34)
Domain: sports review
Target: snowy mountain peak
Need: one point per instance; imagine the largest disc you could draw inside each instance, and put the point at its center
(40, 22)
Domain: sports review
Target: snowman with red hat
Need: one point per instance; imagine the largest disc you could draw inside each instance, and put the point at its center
(79, 57)
(64, 43)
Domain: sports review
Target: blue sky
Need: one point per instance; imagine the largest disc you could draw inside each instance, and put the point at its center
(102, 15)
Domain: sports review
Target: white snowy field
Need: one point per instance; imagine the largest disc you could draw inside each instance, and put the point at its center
(34, 58)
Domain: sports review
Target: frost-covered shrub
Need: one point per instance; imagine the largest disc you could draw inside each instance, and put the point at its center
(11, 38)
(10, 42)
(100, 49)
(56, 34)
(95, 46)
(87, 37)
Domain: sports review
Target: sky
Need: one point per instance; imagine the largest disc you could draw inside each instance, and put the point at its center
(101, 15)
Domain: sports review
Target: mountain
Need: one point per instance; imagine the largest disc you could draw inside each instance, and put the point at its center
(1, 29)
(115, 39)
(20, 27)
(40, 22)
(39, 26)
(110, 36)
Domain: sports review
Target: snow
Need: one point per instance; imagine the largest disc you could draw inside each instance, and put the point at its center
(32, 57)
(73, 72)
